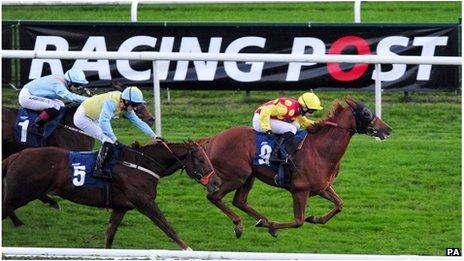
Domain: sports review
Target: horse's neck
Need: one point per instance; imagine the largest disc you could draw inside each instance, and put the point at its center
(167, 161)
(331, 142)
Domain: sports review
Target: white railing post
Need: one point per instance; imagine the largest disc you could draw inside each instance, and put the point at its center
(378, 91)
(134, 7)
(357, 11)
(156, 98)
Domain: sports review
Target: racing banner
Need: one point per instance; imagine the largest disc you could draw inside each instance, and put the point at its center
(382, 39)
(7, 43)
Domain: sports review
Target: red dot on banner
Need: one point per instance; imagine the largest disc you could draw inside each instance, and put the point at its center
(334, 69)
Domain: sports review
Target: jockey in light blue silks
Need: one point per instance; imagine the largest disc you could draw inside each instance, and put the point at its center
(44, 94)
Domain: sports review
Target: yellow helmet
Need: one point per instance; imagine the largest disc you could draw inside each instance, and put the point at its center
(310, 100)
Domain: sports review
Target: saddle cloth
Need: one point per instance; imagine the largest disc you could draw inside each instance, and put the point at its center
(26, 117)
(265, 146)
(81, 165)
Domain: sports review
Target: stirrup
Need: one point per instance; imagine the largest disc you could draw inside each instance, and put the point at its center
(35, 129)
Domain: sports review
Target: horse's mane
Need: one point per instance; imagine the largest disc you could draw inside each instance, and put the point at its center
(336, 109)
(136, 144)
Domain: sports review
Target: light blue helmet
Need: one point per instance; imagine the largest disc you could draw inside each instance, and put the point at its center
(133, 94)
(76, 76)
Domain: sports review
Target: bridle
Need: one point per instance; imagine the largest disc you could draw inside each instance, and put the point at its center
(364, 120)
(196, 175)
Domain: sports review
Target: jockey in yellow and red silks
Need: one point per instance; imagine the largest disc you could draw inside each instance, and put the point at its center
(286, 115)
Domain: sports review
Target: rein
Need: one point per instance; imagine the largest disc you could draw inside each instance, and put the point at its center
(138, 167)
(334, 124)
(204, 180)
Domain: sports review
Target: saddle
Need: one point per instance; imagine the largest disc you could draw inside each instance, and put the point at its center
(81, 166)
(266, 145)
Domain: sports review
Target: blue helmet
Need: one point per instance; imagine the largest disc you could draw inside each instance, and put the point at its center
(133, 94)
(76, 76)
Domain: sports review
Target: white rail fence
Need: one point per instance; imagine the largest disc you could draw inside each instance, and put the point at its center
(135, 3)
(241, 57)
(132, 254)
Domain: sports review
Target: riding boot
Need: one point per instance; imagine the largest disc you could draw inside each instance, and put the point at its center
(282, 178)
(281, 148)
(37, 126)
(98, 171)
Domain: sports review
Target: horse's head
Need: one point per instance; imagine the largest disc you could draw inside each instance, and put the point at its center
(144, 114)
(197, 164)
(366, 122)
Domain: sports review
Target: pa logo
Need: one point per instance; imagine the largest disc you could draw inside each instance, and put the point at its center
(453, 251)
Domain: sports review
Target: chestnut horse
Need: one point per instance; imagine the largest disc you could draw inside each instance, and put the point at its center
(33, 172)
(313, 168)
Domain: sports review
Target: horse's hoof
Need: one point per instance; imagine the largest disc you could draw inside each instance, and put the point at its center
(55, 205)
(18, 224)
(260, 223)
(272, 232)
(187, 249)
(311, 219)
(238, 232)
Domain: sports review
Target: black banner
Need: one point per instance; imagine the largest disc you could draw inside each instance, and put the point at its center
(7, 43)
(390, 39)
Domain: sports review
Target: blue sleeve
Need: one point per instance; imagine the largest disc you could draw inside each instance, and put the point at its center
(139, 123)
(65, 94)
(106, 114)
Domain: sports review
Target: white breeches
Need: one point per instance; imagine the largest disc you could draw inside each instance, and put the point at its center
(29, 101)
(277, 126)
(89, 126)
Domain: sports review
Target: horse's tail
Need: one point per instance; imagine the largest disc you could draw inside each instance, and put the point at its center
(7, 162)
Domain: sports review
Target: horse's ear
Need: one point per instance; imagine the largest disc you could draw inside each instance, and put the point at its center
(349, 100)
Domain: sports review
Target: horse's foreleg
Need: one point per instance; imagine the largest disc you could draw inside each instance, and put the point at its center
(16, 221)
(216, 198)
(331, 195)
(151, 210)
(241, 200)
(300, 198)
(115, 220)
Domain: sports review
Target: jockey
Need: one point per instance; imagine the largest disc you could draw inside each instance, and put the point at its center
(94, 115)
(44, 94)
(285, 116)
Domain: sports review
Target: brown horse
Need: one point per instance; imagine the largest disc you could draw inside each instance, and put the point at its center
(66, 136)
(313, 168)
(31, 173)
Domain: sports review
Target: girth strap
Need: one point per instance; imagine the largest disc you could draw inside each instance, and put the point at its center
(138, 167)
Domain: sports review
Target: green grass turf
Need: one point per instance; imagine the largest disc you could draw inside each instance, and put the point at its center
(402, 196)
